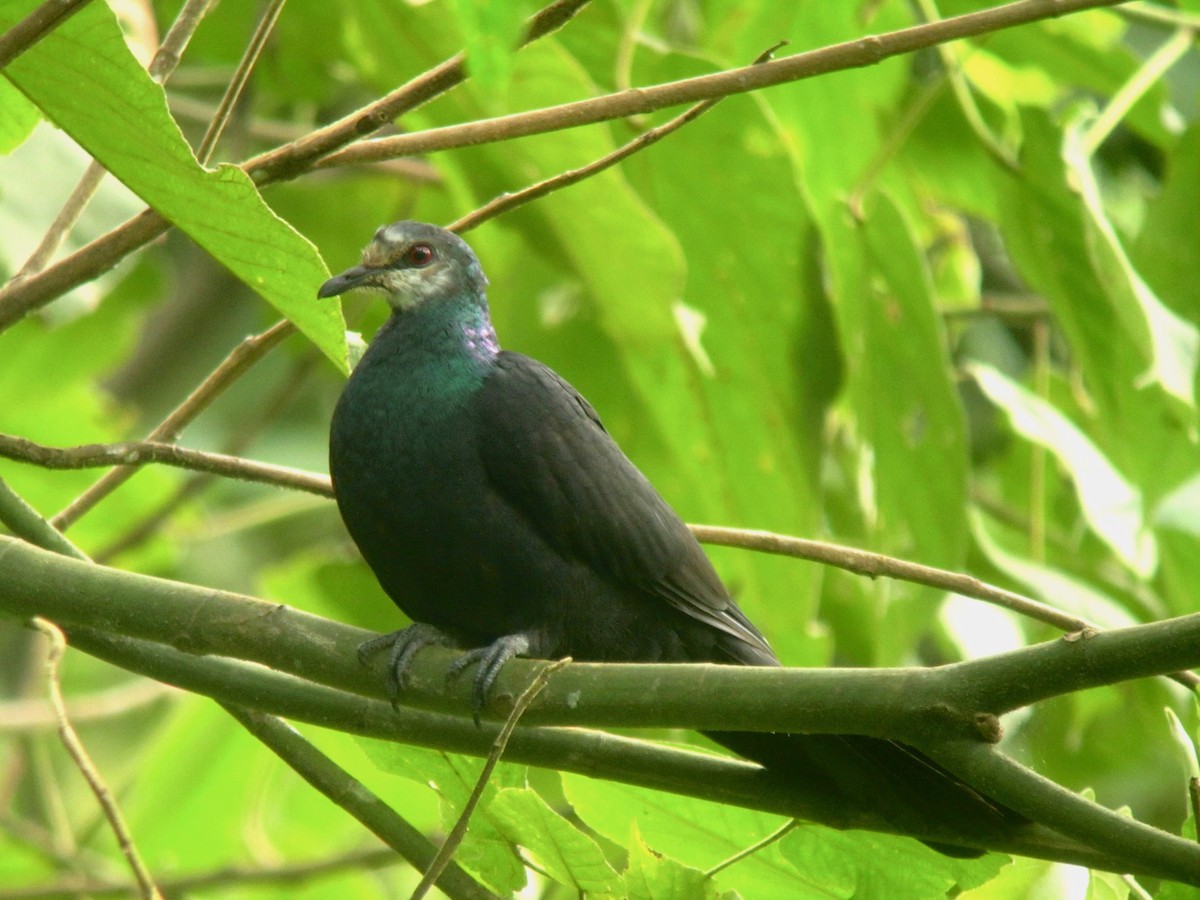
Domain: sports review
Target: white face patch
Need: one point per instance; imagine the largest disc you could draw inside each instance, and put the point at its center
(409, 288)
(409, 281)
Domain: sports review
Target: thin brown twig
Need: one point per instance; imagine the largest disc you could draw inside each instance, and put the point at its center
(18, 716)
(873, 565)
(241, 76)
(507, 202)
(138, 453)
(35, 26)
(284, 874)
(179, 35)
(83, 761)
(458, 832)
(864, 51)
(96, 257)
(758, 845)
(71, 210)
(243, 356)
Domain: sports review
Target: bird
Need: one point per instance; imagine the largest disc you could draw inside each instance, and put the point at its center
(500, 516)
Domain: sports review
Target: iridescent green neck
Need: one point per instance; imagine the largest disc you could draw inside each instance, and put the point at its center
(439, 351)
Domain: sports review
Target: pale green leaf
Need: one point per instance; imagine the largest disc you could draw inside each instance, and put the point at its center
(1111, 505)
(653, 876)
(1169, 343)
(83, 77)
(567, 854)
(1049, 584)
(17, 117)
(870, 866)
(491, 31)
(696, 833)
(1180, 509)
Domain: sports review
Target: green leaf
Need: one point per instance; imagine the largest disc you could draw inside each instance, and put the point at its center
(1043, 223)
(866, 865)
(1049, 584)
(568, 855)
(910, 416)
(1111, 504)
(17, 117)
(83, 77)
(1164, 250)
(491, 31)
(1180, 509)
(485, 850)
(1169, 344)
(652, 876)
(695, 833)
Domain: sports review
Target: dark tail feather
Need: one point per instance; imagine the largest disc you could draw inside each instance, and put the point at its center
(849, 780)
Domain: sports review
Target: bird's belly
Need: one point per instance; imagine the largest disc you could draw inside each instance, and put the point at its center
(443, 545)
(452, 552)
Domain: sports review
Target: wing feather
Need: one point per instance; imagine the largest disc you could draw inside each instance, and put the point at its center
(547, 453)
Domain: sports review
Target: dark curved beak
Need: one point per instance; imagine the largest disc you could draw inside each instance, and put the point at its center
(355, 276)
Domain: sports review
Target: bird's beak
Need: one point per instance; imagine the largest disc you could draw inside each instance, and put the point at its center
(355, 276)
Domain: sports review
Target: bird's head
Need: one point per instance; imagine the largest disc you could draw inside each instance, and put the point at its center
(413, 263)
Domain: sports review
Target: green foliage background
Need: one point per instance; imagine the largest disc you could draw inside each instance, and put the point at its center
(828, 309)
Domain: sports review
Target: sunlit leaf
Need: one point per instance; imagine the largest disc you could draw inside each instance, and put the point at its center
(567, 854)
(1110, 503)
(122, 120)
(1170, 344)
(1048, 584)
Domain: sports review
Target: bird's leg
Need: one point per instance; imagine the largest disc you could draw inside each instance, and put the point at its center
(491, 660)
(403, 645)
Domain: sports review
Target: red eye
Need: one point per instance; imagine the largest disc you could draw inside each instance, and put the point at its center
(419, 255)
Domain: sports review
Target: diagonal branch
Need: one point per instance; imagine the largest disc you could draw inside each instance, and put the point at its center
(595, 754)
(295, 158)
(852, 559)
(243, 356)
(35, 26)
(860, 52)
(326, 776)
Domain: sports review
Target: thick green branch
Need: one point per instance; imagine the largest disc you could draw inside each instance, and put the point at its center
(911, 704)
(915, 705)
(591, 753)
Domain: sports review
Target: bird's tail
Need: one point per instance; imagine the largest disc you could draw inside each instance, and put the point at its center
(858, 781)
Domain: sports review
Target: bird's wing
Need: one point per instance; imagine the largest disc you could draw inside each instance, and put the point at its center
(546, 451)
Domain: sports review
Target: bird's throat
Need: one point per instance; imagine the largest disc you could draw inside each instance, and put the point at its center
(431, 358)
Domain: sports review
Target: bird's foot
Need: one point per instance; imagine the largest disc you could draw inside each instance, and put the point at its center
(402, 647)
(491, 660)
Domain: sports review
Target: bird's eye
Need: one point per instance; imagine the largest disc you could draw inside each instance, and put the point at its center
(419, 255)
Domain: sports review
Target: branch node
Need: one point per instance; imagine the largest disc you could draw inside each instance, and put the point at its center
(987, 726)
